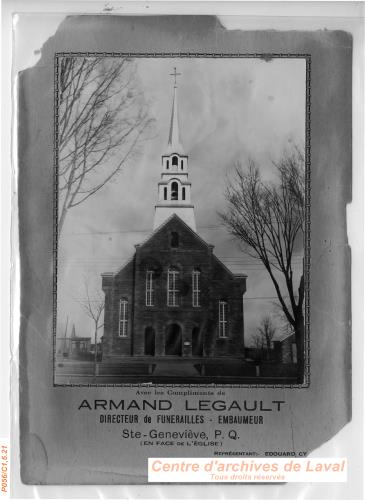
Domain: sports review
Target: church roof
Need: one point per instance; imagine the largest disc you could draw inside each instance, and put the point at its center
(174, 216)
(188, 228)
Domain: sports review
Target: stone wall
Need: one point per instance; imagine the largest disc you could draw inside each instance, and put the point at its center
(216, 283)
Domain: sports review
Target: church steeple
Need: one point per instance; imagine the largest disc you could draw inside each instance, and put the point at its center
(174, 186)
(174, 144)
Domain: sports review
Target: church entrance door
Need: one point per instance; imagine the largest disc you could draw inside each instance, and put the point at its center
(197, 342)
(173, 340)
(149, 341)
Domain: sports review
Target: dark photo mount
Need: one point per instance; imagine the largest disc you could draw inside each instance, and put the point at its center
(174, 313)
(175, 356)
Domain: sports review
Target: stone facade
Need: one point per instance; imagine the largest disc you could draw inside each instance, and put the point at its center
(174, 297)
(140, 321)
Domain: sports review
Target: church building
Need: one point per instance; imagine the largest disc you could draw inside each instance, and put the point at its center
(174, 297)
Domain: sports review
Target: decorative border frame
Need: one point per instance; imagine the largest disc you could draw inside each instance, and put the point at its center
(307, 237)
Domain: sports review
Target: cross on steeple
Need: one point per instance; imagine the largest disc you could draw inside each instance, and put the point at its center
(175, 74)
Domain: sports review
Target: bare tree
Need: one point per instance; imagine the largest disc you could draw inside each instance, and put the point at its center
(257, 340)
(269, 219)
(94, 308)
(267, 331)
(101, 120)
(262, 337)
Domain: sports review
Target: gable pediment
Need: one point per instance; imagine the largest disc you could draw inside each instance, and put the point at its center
(174, 233)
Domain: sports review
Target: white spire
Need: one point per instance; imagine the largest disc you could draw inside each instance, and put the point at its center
(174, 144)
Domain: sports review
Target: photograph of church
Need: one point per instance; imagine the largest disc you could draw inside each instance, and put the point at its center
(174, 297)
(181, 205)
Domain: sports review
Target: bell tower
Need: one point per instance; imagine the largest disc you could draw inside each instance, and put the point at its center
(174, 188)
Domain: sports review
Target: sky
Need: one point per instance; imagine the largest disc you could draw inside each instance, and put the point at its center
(229, 110)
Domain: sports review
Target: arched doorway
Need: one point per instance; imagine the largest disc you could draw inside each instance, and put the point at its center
(149, 341)
(197, 342)
(173, 340)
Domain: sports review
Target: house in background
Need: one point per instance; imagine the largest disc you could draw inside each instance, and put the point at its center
(174, 297)
(285, 350)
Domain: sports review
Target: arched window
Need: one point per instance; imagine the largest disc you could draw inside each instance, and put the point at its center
(183, 193)
(175, 161)
(174, 239)
(150, 293)
(196, 287)
(167, 164)
(223, 330)
(174, 190)
(123, 317)
(182, 164)
(165, 193)
(172, 287)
